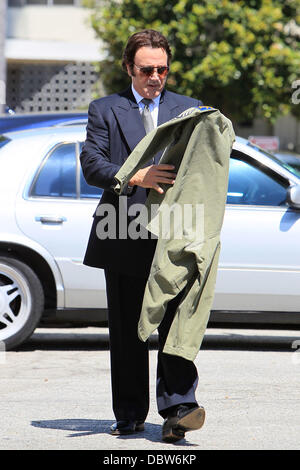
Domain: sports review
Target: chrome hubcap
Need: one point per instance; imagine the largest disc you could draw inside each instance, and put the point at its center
(2, 301)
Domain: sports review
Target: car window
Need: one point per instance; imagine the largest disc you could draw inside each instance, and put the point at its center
(57, 176)
(278, 159)
(290, 163)
(250, 185)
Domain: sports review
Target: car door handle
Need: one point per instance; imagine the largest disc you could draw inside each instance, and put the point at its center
(48, 219)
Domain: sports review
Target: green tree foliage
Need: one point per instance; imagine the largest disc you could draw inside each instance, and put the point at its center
(240, 56)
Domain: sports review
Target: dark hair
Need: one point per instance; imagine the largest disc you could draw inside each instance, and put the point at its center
(145, 38)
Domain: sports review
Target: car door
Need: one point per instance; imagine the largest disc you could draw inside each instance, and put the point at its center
(259, 266)
(57, 213)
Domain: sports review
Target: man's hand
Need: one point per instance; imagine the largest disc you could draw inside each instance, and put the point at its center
(150, 176)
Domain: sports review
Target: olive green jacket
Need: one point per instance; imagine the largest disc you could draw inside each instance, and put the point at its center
(187, 221)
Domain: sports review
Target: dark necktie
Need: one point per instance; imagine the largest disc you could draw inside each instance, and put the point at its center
(146, 115)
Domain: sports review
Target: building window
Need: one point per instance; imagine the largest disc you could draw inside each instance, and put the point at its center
(50, 87)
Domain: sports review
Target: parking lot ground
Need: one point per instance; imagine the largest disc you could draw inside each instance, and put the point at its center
(55, 393)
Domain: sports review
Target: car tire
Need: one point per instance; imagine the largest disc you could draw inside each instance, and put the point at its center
(21, 302)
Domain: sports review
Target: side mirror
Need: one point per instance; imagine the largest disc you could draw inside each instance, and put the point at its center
(293, 196)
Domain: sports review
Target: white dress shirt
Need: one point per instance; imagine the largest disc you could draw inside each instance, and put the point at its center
(153, 106)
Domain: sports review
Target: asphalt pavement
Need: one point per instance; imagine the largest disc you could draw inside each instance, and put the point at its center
(55, 393)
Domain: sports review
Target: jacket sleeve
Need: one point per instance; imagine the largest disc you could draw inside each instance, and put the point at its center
(158, 139)
(95, 157)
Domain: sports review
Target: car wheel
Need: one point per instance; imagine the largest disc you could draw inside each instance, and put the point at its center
(21, 301)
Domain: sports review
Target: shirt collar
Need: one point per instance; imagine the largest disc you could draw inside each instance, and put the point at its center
(138, 97)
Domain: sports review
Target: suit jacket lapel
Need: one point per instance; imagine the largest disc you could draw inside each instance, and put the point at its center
(129, 118)
(167, 108)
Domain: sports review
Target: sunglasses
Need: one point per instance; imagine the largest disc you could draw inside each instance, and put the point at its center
(148, 71)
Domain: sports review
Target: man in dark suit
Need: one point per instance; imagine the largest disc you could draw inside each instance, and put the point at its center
(116, 124)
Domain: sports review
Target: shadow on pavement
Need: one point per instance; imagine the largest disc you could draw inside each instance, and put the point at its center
(251, 342)
(225, 340)
(66, 341)
(86, 427)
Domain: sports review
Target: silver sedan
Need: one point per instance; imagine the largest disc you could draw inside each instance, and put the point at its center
(46, 212)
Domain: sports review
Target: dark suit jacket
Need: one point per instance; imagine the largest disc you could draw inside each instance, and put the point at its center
(114, 129)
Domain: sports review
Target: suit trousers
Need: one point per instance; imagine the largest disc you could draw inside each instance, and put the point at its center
(177, 377)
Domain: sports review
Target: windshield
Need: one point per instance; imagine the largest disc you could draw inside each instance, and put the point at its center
(4, 140)
(288, 166)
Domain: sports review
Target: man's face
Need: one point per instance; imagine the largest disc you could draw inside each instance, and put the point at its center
(152, 86)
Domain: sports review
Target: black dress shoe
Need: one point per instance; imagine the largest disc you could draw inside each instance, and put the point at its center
(126, 426)
(182, 420)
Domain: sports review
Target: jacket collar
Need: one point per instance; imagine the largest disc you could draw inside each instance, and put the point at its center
(167, 107)
(128, 116)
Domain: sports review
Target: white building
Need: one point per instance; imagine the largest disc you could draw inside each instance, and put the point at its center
(50, 51)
